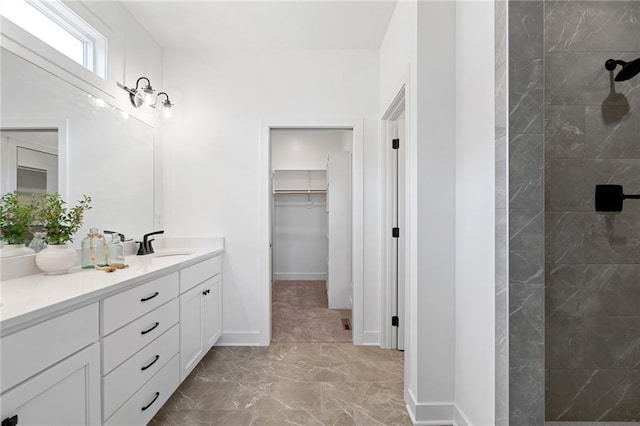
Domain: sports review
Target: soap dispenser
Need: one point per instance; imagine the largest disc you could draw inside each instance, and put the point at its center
(93, 248)
(116, 250)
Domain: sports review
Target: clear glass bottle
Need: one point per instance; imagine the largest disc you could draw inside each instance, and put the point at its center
(37, 243)
(92, 243)
(116, 250)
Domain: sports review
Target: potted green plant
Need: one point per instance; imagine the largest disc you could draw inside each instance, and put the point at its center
(16, 219)
(59, 224)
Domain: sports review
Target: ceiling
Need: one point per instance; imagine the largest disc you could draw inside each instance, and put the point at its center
(317, 24)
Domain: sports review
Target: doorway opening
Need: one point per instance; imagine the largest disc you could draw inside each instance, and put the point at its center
(312, 285)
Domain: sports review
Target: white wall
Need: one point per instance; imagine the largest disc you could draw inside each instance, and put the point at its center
(475, 213)
(212, 155)
(434, 299)
(299, 237)
(434, 49)
(306, 149)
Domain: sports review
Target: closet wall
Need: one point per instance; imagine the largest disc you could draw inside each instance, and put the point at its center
(299, 220)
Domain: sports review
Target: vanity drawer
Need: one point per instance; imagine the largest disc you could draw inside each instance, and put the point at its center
(137, 370)
(33, 349)
(142, 406)
(124, 307)
(195, 274)
(120, 345)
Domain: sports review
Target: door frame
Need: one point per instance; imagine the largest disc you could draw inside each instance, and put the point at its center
(62, 127)
(357, 216)
(395, 109)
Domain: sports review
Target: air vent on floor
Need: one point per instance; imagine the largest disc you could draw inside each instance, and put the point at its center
(346, 323)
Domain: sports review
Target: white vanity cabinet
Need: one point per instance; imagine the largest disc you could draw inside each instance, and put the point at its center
(116, 357)
(200, 312)
(139, 341)
(51, 371)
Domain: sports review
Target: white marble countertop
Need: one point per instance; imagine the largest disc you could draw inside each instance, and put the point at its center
(34, 298)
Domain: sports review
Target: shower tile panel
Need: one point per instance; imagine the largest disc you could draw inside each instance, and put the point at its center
(502, 252)
(564, 341)
(579, 78)
(592, 395)
(613, 131)
(526, 246)
(564, 130)
(574, 182)
(501, 100)
(526, 29)
(612, 342)
(525, 96)
(501, 174)
(502, 389)
(589, 237)
(500, 40)
(579, 26)
(565, 25)
(502, 326)
(526, 159)
(526, 392)
(526, 320)
(593, 290)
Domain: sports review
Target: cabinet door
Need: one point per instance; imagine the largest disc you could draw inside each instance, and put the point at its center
(65, 394)
(191, 330)
(212, 311)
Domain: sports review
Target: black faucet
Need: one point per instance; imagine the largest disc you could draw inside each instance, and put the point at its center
(145, 245)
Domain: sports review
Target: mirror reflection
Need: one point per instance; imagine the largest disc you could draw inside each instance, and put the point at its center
(56, 136)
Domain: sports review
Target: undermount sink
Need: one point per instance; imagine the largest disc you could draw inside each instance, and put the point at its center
(174, 253)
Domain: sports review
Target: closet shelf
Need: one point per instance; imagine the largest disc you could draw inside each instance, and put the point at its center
(300, 191)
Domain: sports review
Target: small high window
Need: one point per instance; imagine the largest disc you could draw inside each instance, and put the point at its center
(55, 24)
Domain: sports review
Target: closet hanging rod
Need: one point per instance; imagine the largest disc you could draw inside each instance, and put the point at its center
(300, 191)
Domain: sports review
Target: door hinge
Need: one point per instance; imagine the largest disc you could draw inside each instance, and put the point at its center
(395, 232)
(395, 321)
(395, 143)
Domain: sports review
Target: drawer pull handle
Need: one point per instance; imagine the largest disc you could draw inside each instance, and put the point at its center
(151, 329)
(151, 403)
(152, 362)
(150, 297)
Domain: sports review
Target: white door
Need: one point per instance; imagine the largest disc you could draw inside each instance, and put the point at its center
(211, 310)
(66, 394)
(191, 330)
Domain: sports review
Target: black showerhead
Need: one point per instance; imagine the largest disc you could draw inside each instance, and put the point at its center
(628, 71)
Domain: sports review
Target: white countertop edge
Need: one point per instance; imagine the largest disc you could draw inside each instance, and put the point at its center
(17, 319)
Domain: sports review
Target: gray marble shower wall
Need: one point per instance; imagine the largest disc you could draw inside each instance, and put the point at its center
(526, 212)
(592, 260)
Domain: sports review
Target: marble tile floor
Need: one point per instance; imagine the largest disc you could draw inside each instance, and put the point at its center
(300, 314)
(291, 384)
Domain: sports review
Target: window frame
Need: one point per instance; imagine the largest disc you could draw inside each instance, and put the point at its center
(17, 40)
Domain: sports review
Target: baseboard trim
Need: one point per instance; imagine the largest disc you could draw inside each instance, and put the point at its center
(459, 418)
(300, 276)
(439, 414)
(371, 338)
(239, 338)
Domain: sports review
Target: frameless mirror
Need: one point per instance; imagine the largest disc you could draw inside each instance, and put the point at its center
(91, 148)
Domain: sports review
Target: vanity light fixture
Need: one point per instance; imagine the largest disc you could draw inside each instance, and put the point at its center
(141, 96)
(165, 106)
